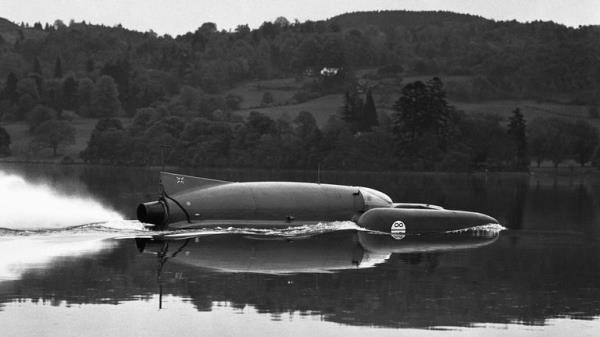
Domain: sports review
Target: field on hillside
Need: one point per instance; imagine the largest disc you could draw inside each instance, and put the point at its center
(321, 108)
(252, 92)
(530, 109)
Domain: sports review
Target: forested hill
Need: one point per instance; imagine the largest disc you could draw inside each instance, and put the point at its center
(374, 90)
(497, 59)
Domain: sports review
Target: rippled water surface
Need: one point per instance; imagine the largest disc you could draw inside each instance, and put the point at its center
(70, 266)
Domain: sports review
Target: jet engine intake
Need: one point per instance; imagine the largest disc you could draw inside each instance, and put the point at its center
(154, 212)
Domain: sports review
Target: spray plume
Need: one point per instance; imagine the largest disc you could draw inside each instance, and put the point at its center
(28, 206)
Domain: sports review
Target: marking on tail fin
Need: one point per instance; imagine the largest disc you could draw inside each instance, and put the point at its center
(176, 183)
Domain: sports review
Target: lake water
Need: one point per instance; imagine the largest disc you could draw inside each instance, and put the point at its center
(540, 277)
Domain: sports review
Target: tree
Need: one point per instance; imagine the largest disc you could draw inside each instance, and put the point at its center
(142, 120)
(282, 22)
(59, 24)
(28, 86)
(90, 66)
(69, 89)
(10, 89)
(54, 95)
(121, 72)
(28, 96)
(422, 123)
(261, 123)
(58, 71)
(585, 141)
(85, 90)
(560, 141)
(538, 135)
(37, 74)
(109, 143)
(39, 115)
(54, 133)
(4, 143)
(518, 136)
(163, 133)
(190, 97)
(307, 141)
(25, 104)
(208, 28)
(352, 110)
(105, 98)
(551, 138)
(242, 31)
(37, 67)
(369, 113)
(422, 108)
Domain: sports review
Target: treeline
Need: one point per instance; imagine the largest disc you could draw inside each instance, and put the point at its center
(424, 133)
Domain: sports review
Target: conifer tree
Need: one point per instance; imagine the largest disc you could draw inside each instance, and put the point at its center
(369, 112)
(517, 133)
(352, 110)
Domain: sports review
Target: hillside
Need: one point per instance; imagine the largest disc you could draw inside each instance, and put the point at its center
(216, 81)
(512, 59)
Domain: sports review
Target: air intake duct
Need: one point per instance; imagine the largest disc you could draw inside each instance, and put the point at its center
(154, 212)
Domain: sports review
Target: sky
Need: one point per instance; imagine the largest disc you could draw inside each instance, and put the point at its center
(180, 16)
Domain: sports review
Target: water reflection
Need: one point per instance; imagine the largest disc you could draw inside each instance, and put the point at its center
(340, 250)
(543, 271)
(22, 253)
(420, 282)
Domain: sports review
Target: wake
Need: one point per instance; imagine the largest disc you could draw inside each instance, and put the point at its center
(26, 206)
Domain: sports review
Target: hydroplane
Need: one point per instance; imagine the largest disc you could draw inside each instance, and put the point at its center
(188, 203)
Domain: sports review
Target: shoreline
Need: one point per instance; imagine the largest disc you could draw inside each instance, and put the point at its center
(544, 171)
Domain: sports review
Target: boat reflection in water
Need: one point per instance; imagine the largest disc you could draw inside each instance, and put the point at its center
(321, 253)
(327, 252)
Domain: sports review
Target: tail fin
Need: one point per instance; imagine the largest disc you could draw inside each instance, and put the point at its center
(177, 183)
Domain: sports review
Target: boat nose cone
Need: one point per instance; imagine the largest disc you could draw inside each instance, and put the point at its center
(401, 221)
(487, 220)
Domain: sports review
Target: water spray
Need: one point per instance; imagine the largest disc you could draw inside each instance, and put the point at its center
(34, 206)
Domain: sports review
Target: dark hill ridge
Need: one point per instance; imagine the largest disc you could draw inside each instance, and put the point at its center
(7, 25)
(390, 19)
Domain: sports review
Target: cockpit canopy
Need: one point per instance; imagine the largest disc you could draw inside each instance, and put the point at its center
(374, 198)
